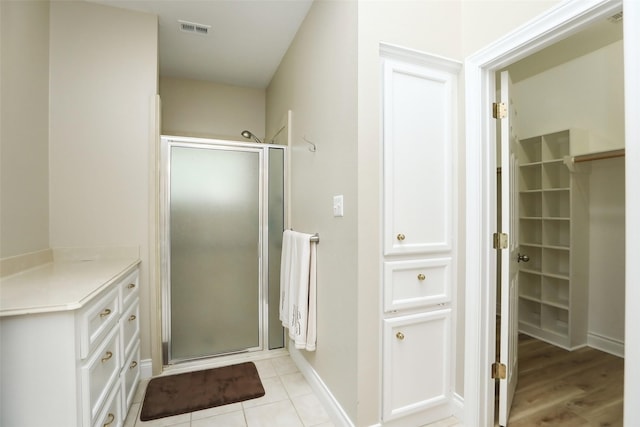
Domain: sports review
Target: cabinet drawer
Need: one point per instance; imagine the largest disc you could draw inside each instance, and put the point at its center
(416, 283)
(130, 288)
(100, 373)
(129, 327)
(416, 363)
(112, 414)
(130, 376)
(97, 319)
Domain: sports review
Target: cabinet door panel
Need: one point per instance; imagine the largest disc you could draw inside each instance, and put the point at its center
(416, 365)
(96, 320)
(129, 328)
(99, 374)
(416, 283)
(418, 146)
(130, 376)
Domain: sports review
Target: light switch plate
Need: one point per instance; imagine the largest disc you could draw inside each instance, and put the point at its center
(338, 205)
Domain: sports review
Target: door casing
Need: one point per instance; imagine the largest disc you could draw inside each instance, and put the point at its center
(480, 283)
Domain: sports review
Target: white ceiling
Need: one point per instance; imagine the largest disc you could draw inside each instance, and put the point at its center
(246, 41)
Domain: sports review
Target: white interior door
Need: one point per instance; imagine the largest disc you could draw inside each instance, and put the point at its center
(509, 256)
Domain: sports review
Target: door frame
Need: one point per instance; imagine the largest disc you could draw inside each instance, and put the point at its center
(480, 283)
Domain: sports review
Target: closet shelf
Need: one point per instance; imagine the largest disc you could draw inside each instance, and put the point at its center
(530, 298)
(553, 214)
(545, 218)
(556, 276)
(556, 304)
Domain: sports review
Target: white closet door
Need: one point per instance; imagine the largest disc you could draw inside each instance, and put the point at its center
(511, 255)
(418, 146)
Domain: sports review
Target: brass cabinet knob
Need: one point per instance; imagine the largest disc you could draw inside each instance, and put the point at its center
(132, 318)
(400, 335)
(400, 237)
(108, 355)
(421, 277)
(111, 418)
(131, 286)
(133, 364)
(105, 312)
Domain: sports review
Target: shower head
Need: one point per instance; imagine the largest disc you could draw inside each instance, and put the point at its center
(249, 135)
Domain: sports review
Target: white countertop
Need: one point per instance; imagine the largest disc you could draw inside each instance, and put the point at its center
(59, 285)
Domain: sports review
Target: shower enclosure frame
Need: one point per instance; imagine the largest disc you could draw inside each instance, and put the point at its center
(263, 150)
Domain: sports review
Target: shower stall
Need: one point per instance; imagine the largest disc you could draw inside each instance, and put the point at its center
(222, 215)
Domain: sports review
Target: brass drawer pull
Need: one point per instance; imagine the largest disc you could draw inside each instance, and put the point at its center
(132, 317)
(111, 419)
(131, 286)
(401, 237)
(107, 356)
(421, 277)
(133, 364)
(400, 336)
(105, 312)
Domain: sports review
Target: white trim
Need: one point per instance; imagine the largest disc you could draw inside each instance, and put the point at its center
(405, 54)
(632, 203)
(548, 28)
(217, 361)
(146, 369)
(337, 414)
(457, 404)
(606, 344)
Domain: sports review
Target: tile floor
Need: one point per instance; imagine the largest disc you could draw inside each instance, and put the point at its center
(288, 402)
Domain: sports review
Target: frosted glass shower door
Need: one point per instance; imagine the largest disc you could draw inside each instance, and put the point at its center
(214, 221)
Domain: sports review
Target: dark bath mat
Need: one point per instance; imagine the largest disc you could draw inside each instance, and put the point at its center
(193, 391)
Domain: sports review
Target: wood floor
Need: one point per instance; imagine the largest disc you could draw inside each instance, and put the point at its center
(566, 388)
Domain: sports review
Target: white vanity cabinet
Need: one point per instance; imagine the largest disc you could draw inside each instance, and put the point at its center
(419, 215)
(69, 336)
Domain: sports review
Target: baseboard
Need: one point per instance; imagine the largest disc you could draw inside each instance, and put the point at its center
(146, 371)
(335, 411)
(457, 404)
(606, 344)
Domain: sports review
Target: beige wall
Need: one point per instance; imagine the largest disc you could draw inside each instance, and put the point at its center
(585, 93)
(607, 249)
(103, 65)
(24, 127)
(485, 21)
(211, 110)
(317, 81)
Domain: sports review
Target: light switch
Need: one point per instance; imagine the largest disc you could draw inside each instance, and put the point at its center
(338, 205)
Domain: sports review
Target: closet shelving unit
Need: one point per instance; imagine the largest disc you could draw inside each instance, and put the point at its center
(553, 285)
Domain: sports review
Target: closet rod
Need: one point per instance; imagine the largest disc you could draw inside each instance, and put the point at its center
(599, 156)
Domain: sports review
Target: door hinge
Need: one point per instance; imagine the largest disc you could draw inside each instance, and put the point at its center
(498, 371)
(499, 110)
(500, 240)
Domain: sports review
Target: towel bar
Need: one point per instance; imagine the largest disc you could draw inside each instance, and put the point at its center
(315, 238)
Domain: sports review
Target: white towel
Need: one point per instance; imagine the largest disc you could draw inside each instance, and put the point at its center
(298, 289)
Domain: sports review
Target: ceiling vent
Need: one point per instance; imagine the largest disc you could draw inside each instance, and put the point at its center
(616, 18)
(192, 27)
